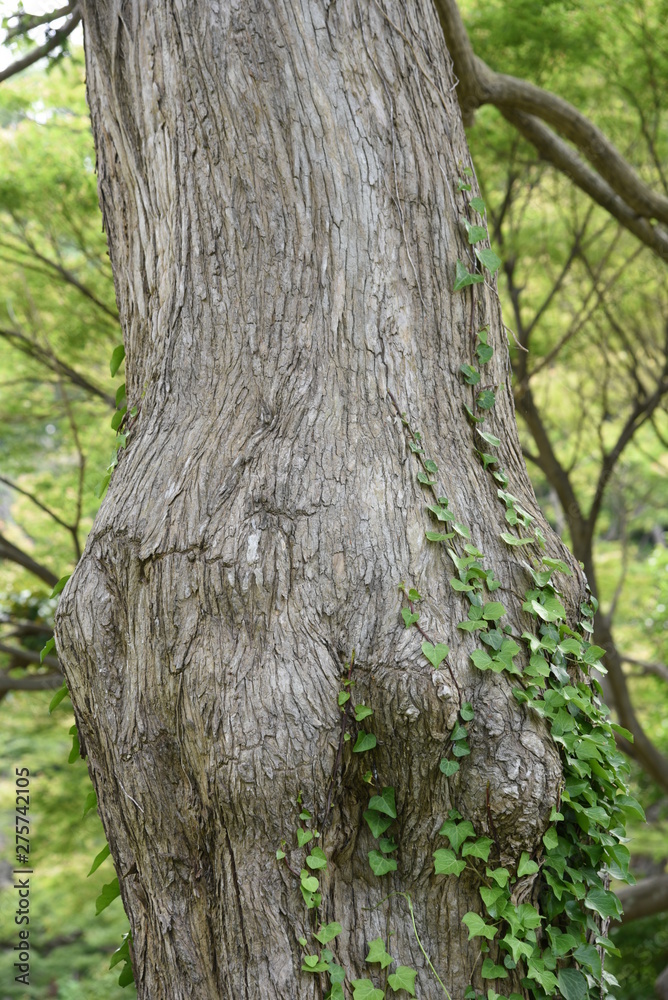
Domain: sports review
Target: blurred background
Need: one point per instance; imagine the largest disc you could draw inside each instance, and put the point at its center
(586, 299)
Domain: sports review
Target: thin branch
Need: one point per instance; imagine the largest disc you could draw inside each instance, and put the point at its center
(647, 667)
(16, 555)
(30, 682)
(481, 85)
(644, 899)
(56, 39)
(28, 22)
(34, 350)
(27, 656)
(38, 503)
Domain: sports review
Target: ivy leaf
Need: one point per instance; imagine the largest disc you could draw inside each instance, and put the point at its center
(481, 659)
(604, 902)
(471, 375)
(116, 359)
(108, 895)
(438, 536)
(500, 876)
(480, 848)
(60, 585)
(364, 741)
(387, 845)
(449, 767)
(384, 803)
(463, 278)
(446, 863)
(435, 654)
(551, 839)
(461, 529)
(62, 692)
(492, 971)
(377, 822)
(304, 836)
(514, 540)
(489, 259)
(90, 803)
(343, 697)
(493, 610)
(403, 979)
(489, 438)
(363, 989)
(572, 984)
(328, 932)
(478, 928)
(466, 711)
(46, 649)
(526, 865)
(484, 353)
(362, 712)
(377, 953)
(486, 399)
(475, 233)
(380, 864)
(457, 833)
(461, 750)
(409, 617)
(311, 963)
(478, 204)
(459, 732)
(99, 858)
(317, 859)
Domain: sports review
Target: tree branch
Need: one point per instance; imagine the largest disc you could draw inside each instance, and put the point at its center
(644, 899)
(26, 656)
(56, 39)
(616, 186)
(16, 555)
(30, 347)
(31, 682)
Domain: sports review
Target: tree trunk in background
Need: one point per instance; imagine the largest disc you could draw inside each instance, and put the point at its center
(279, 185)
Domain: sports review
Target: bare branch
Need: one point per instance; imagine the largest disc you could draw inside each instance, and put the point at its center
(644, 899)
(38, 503)
(16, 555)
(56, 39)
(616, 186)
(26, 656)
(647, 667)
(30, 682)
(34, 350)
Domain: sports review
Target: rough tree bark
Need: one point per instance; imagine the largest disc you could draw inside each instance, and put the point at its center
(279, 186)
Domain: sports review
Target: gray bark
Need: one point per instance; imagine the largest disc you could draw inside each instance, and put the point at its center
(278, 182)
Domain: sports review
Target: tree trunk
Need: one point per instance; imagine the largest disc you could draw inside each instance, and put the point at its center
(279, 182)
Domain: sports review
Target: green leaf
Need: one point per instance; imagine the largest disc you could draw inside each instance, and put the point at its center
(500, 876)
(75, 752)
(471, 375)
(478, 204)
(116, 359)
(387, 845)
(593, 654)
(328, 932)
(604, 902)
(457, 833)
(558, 564)
(438, 536)
(461, 750)
(99, 858)
(492, 971)
(409, 617)
(109, 893)
(61, 693)
(459, 732)
(489, 438)
(481, 659)
(616, 728)
(377, 822)
(363, 989)
(430, 465)
(403, 979)
(377, 953)
(59, 586)
(475, 233)
(309, 882)
(551, 839)
(89, 803)
(46, 649)
(480, 848)
(463, 278)
(461, 529)
(311, 963)
(486, 399)
(362, 712)
(478, 928)
(484, 353)
(279, 857)
(513, 540)
(343, 697)
(492, 611)
(632, 808)
(317, 859)
(466, 711)
(446, 863)
(526, 865)
(380, 864)
(489, 259)
(449, 767)
(572, 984)
(384, 803)
(435, 654)
(364, 741)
